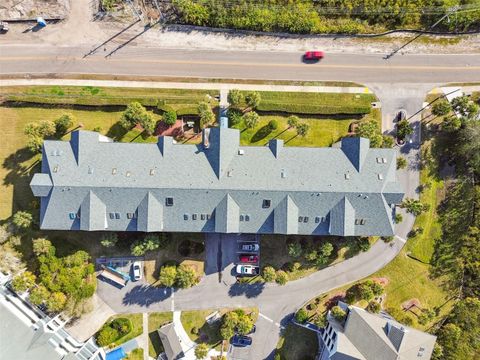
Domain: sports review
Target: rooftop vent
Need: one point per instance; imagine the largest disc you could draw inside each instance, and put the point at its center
(380, 176)
(230, 173)
(55, 169)
(152, 172)
(90, 170)
(128, 173)
(379, 160)
(384, 160)
(347, 176)
(283, 174)
(241, 152)
(114, 171)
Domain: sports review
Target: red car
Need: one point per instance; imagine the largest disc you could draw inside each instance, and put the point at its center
(248, 258)
(313, 55)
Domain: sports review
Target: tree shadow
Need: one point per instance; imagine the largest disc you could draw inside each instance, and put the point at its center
(19, 176)
(293, 137)
(247, 290)
(116, 131)
(144, 295)
(262, 133)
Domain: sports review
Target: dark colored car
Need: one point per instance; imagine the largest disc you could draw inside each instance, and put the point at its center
(241, 341)
(250, 247)
(248, 258)
(313, 55)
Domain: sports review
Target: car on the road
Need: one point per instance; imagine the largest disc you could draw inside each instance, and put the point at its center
(245, 258)
(3, 26)
(247, 270)
(250, 247)
(137, 270)
(314, 55)
(241, 341)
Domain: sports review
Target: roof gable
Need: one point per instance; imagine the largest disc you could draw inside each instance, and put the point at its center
(150, 214)
(285, 217)
(92, 213)
(227, 215)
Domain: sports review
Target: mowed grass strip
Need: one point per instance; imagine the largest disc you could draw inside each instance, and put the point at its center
(315, 103)
(101, 96)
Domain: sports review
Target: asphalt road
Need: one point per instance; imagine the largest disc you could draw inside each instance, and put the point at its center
(137, 61)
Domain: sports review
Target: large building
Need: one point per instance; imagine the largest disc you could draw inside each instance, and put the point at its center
(365, 336)
(92, 183)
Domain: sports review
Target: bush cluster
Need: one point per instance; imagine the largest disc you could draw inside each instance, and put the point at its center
(320, 16)
(113, 331)
(365, 290)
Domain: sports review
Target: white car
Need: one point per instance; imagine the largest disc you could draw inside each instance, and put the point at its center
(137, 270)
(247, 270)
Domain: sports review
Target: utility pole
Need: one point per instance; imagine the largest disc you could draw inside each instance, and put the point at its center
(134, 10)
(451, 10)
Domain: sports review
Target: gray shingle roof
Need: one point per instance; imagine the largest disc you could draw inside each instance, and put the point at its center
(170, 342)
(310, 190)
(379, 338)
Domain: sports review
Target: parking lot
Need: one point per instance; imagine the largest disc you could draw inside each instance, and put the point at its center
(248, 255)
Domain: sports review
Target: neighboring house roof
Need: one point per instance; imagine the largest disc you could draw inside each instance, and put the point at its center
(171, 342)
(217, 186)
(376, 337)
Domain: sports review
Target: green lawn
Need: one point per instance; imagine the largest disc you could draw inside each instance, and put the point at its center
(137, 327)
(297, 343)
(322, 131)
(156, 321)
(209, 334)
(315, 103)
(136, 354)
(88, 95)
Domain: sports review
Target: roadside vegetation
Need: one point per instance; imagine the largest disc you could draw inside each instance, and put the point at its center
(323, 16)
(434, 280)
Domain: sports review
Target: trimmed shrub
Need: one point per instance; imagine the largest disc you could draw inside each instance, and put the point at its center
(374, 307)
(338, 313)
(106, 336)
(269, 274)
(273, 125)
(170, 118)
(281, 277)
(301, 316)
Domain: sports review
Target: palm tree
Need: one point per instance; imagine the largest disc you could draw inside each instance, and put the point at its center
(251, 119)
(292, 121)
(302, 129)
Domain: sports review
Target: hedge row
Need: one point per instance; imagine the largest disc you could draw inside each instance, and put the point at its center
(106, 101)
(319, 109)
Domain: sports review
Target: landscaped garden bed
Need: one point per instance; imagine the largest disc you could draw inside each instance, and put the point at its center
(119, 329)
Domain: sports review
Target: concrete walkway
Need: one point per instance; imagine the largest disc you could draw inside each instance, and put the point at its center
(188, 346)
(144, 336)
(185, 85)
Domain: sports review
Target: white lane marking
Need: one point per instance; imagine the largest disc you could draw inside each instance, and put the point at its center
(401, 239)
(173, 299)
(270, 320)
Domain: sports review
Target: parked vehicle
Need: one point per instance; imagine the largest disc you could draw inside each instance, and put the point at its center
(250, 247)
(137, 270)
(247, 270)
(313, 55)
(241, 341)
(3, 26)
(248, 258)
